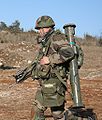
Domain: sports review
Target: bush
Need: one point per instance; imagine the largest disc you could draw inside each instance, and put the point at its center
(89, 40)
(99, 42)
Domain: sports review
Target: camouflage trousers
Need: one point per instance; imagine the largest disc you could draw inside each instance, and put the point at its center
(37, 112)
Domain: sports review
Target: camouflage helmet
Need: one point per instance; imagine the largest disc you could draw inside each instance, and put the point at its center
(44, 21)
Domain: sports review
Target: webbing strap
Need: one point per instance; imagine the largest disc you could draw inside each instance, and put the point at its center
(60, 78)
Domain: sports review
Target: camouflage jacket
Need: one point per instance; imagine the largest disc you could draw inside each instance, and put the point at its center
(58, 52)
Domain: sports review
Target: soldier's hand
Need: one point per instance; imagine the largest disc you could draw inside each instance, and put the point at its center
(45, 60)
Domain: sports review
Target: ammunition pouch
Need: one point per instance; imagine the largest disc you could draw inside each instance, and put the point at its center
(53, 92)
(41, 71)
(62, 71)
(44, 71)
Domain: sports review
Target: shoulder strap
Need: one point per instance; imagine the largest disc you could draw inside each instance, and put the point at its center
(60, 78)
(43, 51)
(46, 48)
(46, 42)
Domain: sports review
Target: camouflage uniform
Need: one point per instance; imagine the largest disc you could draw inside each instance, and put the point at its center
(52, 90)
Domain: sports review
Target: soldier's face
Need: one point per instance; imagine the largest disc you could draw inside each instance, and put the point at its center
(43, 31)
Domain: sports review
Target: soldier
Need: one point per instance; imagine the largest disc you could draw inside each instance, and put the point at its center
(51, 68)
(51, 71)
